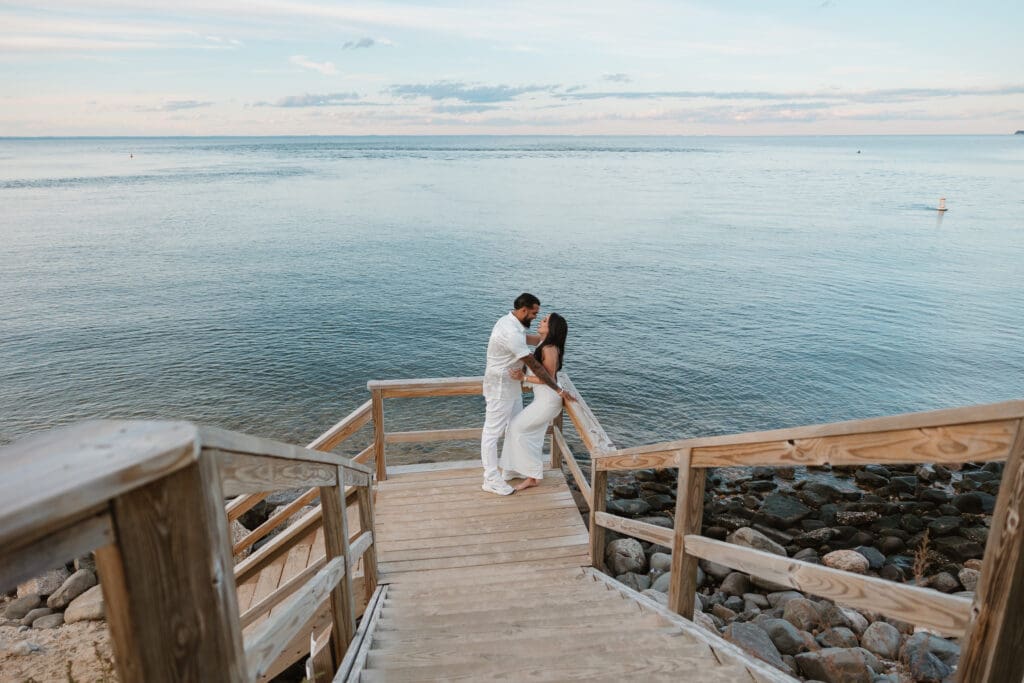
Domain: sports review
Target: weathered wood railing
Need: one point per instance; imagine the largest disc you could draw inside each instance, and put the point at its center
(148, 498)
(992, 627)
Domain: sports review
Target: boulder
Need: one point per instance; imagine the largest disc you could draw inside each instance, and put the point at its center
(638, 582)
(753, 640)
(944, 582)
(44, 584)
(75, 585)
(751, 538)
(847, 560)
(834, 615)
(944, 526)
(19, 607)
(662, 562)
(837, 636)
(975, 502)
(874, 557)
(636, 507)
(35, 614)
(947, 651)
(660, 598)
(881, 639)
(780, 598)
(969, 578)
(958, 548)
(782, 511)
(723, 613)
(839, 665)
(855, 518)
(814, 538)
(49, 621)
(662, 583)
(625, 555)
(788, 639)
(86, 607)
(802, 613)
(716, 571)
(703, 620)
(736, 584)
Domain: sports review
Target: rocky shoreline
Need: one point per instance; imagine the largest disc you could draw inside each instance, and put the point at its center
(924, 525)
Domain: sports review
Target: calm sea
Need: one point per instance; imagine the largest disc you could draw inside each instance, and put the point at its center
(711, 285)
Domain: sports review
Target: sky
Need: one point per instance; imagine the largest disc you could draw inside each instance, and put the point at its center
(644, 67)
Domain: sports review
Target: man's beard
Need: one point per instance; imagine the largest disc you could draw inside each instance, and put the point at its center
(526, 323)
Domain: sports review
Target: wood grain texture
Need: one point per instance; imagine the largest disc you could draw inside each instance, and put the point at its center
(175, 562)
(364, 497)
(471, 434)
(271, 637)
(335, 523)
(245, 473)
(591, 432)
(598, 503)
(565, 455)
(276, 519)
(351, 666)
(992, 646)
(277, 546)
(441, 386)
(236, 442)
(65, 544)
(282, 593)
(556, 451)
(343, 429)
(637, 529)
(52, 477)
(636, 461)
(995, 412)
(689, 513)
(945, 614)
(378, 435)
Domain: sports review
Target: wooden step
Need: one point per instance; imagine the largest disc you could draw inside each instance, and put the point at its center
(579, 550)
(531, 532)
(523, 521)
(645, 665)
(510, 546)
(531, 648)
(554, 628)
(544, 604)
(512, 590)
(470, 621)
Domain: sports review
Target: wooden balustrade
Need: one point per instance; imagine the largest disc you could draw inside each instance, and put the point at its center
(991, 628)
(148, 498)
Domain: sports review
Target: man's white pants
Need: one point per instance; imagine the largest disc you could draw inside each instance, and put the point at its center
(500, 412)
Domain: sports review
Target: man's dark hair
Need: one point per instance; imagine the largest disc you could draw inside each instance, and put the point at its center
(525, 300)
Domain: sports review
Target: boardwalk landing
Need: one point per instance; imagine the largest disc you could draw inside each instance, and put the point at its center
(479, 587)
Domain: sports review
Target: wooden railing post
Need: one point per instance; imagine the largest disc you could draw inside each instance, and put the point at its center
(365, 496)
(993, 639)
(168, 583)
(689, 512)
(556, 452)
(598, 503)
(378, 434)
(335, 517)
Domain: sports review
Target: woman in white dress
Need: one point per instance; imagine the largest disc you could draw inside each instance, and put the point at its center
(522, 455)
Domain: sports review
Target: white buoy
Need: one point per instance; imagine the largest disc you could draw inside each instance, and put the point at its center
(942, 203)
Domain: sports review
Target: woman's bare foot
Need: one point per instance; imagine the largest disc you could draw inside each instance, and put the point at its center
(529, 482)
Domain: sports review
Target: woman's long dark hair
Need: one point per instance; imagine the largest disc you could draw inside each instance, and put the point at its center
(558, 329)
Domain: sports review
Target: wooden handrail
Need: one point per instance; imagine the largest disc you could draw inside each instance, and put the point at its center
(933, 436)
(574, 467)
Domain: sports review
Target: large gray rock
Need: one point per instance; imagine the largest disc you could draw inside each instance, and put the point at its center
(736, 584)
(946, 650)
(660, 598)
(75, 585)
(753, 640)
(86, 607)
(18, 608)
(625, 555)
(35, 614)
(969, 578)
(45, 584)
(638, 582)
(802, 613)
(751, 538)
(847, 561)
(882, 639)
(782, 511)
(716, 571)
(839, 665)
(837, 636)
(661, 561)
(787, 638)
(49, 621)
(780, 598)
(662, 583)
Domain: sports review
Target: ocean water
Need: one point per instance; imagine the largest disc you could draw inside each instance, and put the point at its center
(711, 285)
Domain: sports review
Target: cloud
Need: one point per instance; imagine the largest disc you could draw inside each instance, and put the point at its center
(177, 105)
(326, 68)
(357, 44)
(867, 96)
(464, 108)
(617, 78)
(465, 92)
(310, 100)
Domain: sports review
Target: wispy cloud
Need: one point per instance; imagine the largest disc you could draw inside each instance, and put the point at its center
(464, 108)
(466, 92)
(311, 100)
(873, 96)
(359, 44)
(617, 78)
(177, 105)
(326, 68)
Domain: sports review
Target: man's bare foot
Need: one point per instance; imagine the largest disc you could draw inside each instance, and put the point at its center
(529, 482)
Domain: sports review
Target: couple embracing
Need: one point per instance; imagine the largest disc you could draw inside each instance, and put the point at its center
(524, 429)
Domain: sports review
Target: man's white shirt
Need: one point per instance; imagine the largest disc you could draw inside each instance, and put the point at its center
(504, 349)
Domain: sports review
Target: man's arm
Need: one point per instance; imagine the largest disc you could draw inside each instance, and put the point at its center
(541, 372)
(533, 339)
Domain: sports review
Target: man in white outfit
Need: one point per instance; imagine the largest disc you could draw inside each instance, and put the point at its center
(507, 351)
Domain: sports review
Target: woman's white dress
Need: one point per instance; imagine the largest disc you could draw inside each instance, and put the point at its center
(523, 453)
